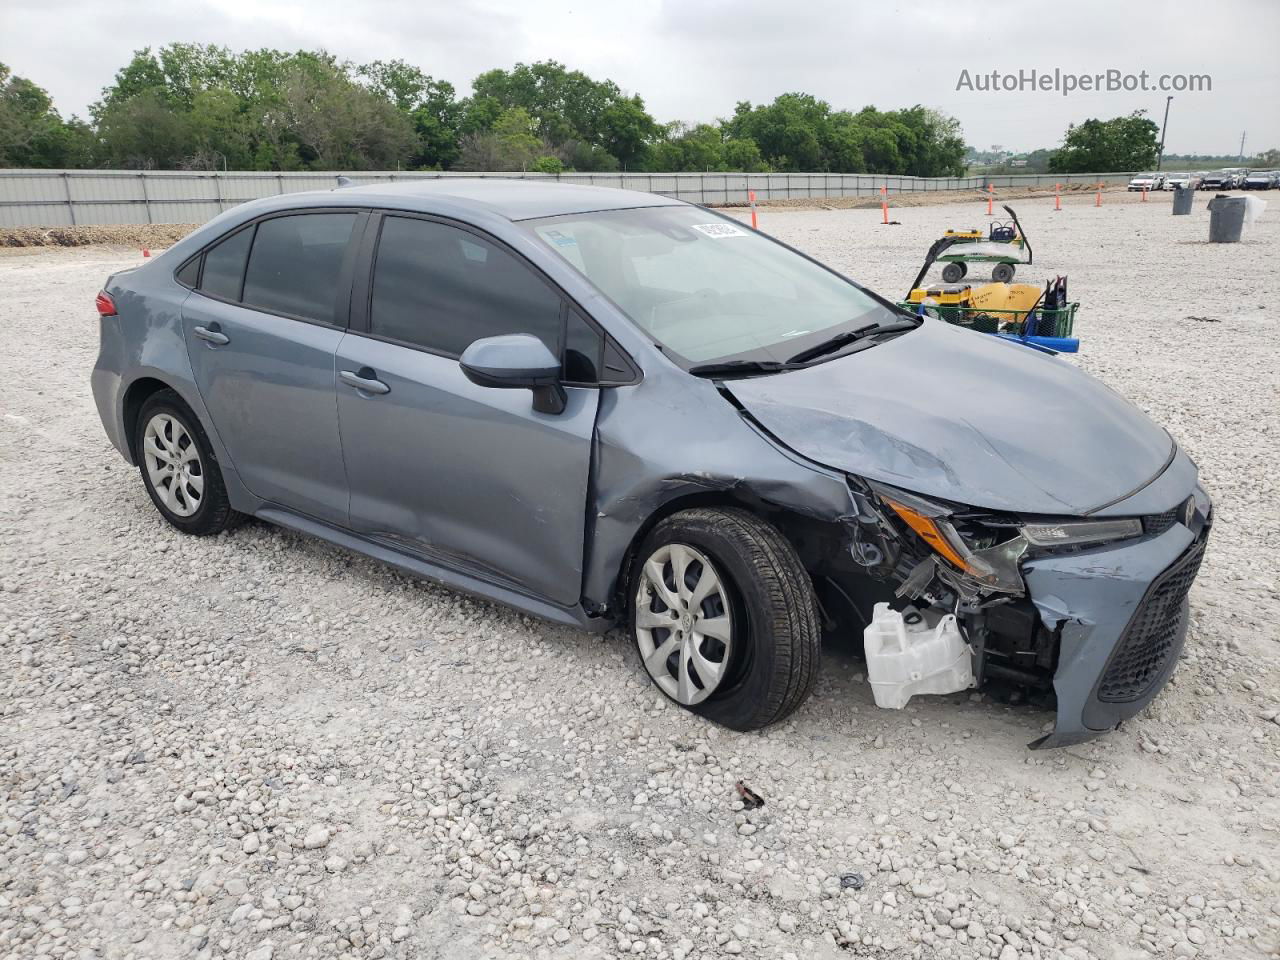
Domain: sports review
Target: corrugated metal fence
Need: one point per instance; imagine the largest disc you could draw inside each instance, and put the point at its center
(58, 198)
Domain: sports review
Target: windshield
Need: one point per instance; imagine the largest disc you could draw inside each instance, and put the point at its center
(706, 288)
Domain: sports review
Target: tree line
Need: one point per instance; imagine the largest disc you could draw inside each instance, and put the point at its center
(205, 107)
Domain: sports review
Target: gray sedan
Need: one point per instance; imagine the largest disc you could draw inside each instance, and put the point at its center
(611, 408)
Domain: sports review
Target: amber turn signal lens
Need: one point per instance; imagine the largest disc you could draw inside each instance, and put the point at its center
(928, 529)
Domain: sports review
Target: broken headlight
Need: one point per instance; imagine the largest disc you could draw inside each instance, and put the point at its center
(988, 549)
(987, 554)
(1076, 533)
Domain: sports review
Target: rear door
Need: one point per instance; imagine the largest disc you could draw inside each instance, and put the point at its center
(469, 476)
(270, 306)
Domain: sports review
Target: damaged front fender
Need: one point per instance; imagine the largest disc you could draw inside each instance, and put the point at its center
(642, 457)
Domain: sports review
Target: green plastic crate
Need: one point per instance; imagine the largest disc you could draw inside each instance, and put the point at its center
(1051, 323)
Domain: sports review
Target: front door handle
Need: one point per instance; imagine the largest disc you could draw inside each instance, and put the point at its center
(212, 333)
(364, 379)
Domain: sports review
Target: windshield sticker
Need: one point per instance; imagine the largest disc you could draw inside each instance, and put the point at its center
(561, 239)
(718, 231)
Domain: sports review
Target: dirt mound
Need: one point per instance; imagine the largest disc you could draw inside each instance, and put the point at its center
(124, 235)
(925, 198)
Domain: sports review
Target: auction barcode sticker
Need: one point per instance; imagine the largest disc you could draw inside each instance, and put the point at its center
(718, 231)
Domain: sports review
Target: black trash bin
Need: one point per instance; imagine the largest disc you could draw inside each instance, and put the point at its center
(1183, 197)
(1226, 218)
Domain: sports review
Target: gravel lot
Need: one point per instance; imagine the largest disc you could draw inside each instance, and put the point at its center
(257, 746)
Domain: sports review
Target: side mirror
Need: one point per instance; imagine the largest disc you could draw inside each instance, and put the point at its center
(514, 362)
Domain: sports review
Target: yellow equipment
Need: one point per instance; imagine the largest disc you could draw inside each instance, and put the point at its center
(989, 296)
(1019, 297)
(944, 295)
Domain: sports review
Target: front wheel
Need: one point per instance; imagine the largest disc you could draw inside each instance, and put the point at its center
(953, 272)
(724, 617)
(1002, 273)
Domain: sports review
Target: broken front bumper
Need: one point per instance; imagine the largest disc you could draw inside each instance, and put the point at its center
(1122, 613)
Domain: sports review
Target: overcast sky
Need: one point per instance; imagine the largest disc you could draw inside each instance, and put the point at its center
(693, 59)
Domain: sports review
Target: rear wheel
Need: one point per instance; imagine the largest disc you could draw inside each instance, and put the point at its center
(179, 468)
(953, 272)
(724, 617)
(1002, 273)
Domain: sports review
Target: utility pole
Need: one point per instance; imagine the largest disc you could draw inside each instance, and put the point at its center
(1163, 127)
(1242, 145)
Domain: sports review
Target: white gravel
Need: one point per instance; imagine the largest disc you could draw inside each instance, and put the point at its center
(259, 747)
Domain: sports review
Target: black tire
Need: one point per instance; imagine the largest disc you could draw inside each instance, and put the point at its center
(954, 272)
(777, 634)
(1002, 273)
(214, 513)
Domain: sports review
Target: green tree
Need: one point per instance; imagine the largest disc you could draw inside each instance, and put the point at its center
(567, 108)
(802, 133)
(143, 132)
(1102, 146)
(743, 155)
(431, 105)
(32, 134)
(509, 145)
(204, 106)
(788, 131)
(338, 124)
(702, 147)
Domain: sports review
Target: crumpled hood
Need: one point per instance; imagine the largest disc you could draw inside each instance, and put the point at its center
(966, 417)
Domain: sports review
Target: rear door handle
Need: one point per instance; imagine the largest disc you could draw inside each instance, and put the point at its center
(212, 333)
(364, 379)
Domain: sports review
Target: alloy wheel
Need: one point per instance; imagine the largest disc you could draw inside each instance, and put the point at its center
(173, 464)
(684, 623)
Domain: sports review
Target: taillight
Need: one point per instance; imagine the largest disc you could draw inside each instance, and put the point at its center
(106, 306)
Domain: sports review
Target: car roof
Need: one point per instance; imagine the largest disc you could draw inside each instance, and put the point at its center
(513, 199)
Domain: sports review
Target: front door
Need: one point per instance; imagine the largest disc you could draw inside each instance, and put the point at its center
(469, 476)
(262, 331)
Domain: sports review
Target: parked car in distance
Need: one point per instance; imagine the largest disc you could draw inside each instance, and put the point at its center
(1262, 180)
(1147, 181)
(609, 408)
(1187, 181)
(1229, 178)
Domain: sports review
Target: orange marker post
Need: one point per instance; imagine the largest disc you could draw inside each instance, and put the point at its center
(1098, 200)
(1144, 194)
(1057, 196)
(755, 224)
(991, 196)
(884, 205)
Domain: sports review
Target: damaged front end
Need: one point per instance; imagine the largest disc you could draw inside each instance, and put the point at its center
(1086, 614)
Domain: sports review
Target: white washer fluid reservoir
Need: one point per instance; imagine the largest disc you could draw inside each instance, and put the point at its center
(915, 651)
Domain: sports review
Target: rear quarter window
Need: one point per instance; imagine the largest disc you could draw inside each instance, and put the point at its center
(224, 266)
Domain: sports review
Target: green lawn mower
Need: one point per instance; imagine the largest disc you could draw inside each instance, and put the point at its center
(1004, 244)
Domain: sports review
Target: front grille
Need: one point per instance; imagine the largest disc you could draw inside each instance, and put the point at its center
(1157, 523)
(1148, 641)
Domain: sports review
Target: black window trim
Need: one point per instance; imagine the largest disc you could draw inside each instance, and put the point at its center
(362, 294)
(346, 272)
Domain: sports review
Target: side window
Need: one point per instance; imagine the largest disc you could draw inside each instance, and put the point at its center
(582, 346)
(439, 287)
(224, 266)
(295, 263)
(189, 273)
